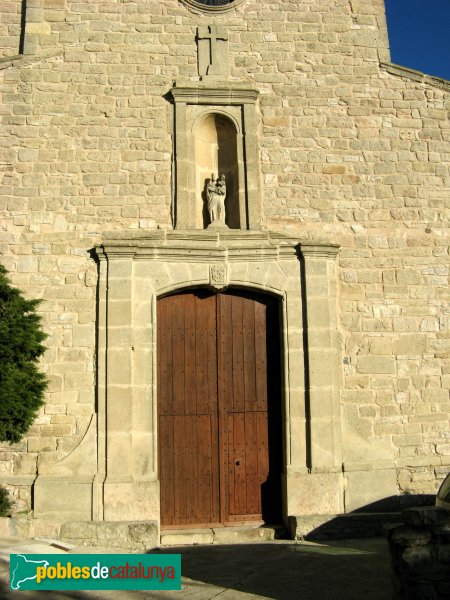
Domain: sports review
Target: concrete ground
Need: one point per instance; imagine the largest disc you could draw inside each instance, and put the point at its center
(280, 570)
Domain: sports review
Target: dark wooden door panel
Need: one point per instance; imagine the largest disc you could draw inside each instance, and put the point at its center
(236, 400)
(187, 409)
(248, 342)
(189, 475)
(261, 351)
(166, 468)
(248, 463)
(244, 403)
(216, 399)
(208, 507)
(165, 358)
(237, 465)
(252, 482)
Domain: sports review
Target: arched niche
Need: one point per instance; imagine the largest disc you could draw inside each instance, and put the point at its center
(219, 124)
(215, 152)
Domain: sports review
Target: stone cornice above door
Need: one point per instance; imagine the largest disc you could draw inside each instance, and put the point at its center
(207, 246)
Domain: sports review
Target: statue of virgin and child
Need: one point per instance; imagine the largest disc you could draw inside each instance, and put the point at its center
(216, 192)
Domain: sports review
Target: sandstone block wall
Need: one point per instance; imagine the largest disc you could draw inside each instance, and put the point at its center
(10, 27)
(350, 153)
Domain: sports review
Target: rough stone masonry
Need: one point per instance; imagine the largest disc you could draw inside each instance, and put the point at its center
(344, 154)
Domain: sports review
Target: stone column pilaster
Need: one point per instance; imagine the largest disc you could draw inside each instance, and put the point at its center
(322, 356)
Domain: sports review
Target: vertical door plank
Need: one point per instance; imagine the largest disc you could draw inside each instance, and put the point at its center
(204, 468)
(162, 358)
(238, 463)
(248, 342)
(253, 487)
(225, 400)
(228, 484)
(201, 356)
(225, 341)
(190, 388)
(165, 361)
(209, 317)
(238, 355)
(208, 484)
(166, 470)
(179, 469)
(263, 446)
(214, 491)
(190, 467)
(178, 354)
(261, 356)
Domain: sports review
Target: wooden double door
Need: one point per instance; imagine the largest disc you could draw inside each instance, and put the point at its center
(219, 408)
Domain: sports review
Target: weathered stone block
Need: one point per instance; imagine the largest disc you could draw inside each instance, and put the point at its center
(376, 364)
(411, 344)
(62, 498)
(408, 536)
(6, 527)
(426, 515)
(146, 534)
(365, 487)
(78, 530)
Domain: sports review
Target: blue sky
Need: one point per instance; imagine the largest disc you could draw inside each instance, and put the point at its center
(419, 35)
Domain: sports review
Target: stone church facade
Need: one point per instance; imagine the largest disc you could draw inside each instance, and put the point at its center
(114, 117)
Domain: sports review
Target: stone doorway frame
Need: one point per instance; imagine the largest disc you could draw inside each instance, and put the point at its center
(134, 272)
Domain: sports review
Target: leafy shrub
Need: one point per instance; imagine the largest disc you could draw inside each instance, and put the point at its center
(5, 502)
(22, 385)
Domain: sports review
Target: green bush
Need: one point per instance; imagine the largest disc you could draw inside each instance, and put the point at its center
(22, 385)
(5, 502)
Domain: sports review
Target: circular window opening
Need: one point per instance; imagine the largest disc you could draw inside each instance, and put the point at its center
(215, 2)
(213, 5)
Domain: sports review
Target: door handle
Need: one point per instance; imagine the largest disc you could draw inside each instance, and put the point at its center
(238, 462)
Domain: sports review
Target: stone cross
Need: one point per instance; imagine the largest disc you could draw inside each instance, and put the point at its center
(212, 51)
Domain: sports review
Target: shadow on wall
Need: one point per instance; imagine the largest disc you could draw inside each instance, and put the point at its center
(368, 521)
(397, 503)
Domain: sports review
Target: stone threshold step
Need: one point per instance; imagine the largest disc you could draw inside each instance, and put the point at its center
(223, 535)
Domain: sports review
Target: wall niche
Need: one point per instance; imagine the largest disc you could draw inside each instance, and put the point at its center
(215, 155)
(216, 135)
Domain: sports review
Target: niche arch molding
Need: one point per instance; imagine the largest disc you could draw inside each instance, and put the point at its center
(237, 104)
(222, 113)
(199, 6)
